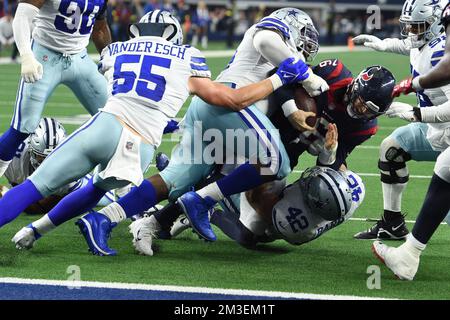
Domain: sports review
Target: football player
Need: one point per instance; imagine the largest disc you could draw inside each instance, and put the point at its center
(424, 42)
(52, 36)
(150, 77)
(286, 33)
(350, 108)
(298, 213)
(404, 260)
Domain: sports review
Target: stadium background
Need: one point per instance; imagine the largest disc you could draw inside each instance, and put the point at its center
(334, 264)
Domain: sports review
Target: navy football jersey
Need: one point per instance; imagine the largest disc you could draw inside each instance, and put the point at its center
(331, 108)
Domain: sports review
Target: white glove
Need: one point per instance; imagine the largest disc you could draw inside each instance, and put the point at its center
(403, 111)
(32, 70)
(371, 42)
(315, 85)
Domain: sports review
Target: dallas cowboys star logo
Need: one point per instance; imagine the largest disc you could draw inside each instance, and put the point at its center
(293, 13)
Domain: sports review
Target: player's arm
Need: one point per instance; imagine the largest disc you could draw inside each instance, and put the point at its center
(271, 45)
(328, 155)
(237, 99)
(386, 45)
(22, 26)
(43, 206)
(101, 35)
(262, 199)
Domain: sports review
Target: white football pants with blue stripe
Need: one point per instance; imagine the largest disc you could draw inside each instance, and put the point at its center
(93, 144)
(77, 71)
(193, 159)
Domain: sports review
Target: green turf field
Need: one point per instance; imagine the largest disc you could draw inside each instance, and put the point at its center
(334, 264)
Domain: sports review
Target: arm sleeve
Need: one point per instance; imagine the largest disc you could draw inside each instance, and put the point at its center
(272, 47)
(199, 68)
(437, 114)
(397, 46)
(22, 26)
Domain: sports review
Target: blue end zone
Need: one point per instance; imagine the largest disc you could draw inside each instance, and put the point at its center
(9, 291)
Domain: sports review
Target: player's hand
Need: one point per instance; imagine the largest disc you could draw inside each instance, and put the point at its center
(290, 72)
(315, 85)
(403, 111)
(32, 70)
(371, 42)
(405, 87)
(331, 138)
(298, 120)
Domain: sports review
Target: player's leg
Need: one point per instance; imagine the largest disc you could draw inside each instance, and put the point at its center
(404, 260)
(267, 161)
(71, 160)
(89, 86)
(30, 101)
(404, 144)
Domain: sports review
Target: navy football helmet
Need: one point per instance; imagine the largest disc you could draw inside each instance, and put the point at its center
(370, 94)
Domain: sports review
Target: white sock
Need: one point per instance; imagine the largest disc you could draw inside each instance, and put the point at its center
(414, 246)
(204, 42)
(43, 225)
(211, 190)
(114, 212)
(3, 166)
(392, 196)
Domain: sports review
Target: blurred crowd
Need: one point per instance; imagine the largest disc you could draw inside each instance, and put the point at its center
(204, 22)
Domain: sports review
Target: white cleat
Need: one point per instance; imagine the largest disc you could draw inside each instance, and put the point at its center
(144, 231)
(399, 260)
(24, 239)
(180, 225)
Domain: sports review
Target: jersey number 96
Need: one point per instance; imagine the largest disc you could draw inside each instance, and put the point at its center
(77, 15)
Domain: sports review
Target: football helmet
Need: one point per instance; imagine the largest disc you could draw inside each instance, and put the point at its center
(303, 34)
(421, 20)
(47, 136)
(326, 192)
(370, 94)
(158, 23)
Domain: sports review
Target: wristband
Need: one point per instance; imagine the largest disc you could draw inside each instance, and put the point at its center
(416, 84)
(289, 107)
(276, 81)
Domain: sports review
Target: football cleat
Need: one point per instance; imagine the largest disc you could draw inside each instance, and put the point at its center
(399, 260)
(25, 238)
(196, 210)
(385, 230)
(144, 231)
(180, 225)
(96, 229)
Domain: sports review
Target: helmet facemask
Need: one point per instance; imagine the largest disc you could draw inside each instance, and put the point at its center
(308, 42)
(357, 108)
(417, 32)
(36, 158)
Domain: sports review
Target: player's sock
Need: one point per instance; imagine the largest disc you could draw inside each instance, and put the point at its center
(43, 225)
(139, 199)
(9, 142)
(243, 178)
(16, 200)
(414, 246)
(114, 212)
(230, 224)
(391, 215)
(76, 203)
(435, 208)
(392, 196)
(167, 215)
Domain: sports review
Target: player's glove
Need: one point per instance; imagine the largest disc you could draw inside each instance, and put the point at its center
(32, 70)
(162, 161)
(315, 85)
(405, 87)
(404, 111)
(371, 42)
(290, 72)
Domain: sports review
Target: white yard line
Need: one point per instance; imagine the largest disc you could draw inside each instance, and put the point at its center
(204, 290)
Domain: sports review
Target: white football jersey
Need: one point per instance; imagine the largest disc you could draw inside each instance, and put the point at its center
(248, 66)
(148, 81)
(65, 25)
(20, 169)
(297, 224)
(422, 61)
